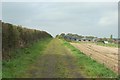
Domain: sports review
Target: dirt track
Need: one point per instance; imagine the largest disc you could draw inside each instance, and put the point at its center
(56, 62)
(105, 55)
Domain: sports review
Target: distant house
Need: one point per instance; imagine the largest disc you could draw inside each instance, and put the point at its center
(105, 42)
(77, 39)
(94, 39)
(80, 39)
(116, 40)
(88, 39)
(74, 37)
(83, 39)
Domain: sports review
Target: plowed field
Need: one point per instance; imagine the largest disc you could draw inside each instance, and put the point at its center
(105, 55)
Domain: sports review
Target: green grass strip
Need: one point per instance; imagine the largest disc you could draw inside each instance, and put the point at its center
(17, 66)
(90, 67)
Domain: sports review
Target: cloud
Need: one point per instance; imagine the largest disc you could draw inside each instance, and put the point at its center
(109, 19)
(60, 0)
(79, 17)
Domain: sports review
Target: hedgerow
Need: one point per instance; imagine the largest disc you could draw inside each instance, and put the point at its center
(14, 37)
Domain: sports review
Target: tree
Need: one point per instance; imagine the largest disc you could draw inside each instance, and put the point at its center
(62, 34)
(111, 36)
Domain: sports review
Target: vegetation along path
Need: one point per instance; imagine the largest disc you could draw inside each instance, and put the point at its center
(56, 61)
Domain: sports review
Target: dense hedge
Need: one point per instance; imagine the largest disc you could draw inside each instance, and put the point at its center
(18, 37)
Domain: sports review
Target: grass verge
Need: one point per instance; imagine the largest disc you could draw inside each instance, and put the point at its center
(89, 67)
(15, 67)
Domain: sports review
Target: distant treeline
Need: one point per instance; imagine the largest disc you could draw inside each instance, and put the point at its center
(14, 37)
(74, 37)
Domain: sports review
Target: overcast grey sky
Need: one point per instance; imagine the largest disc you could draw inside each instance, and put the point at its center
(84, 18)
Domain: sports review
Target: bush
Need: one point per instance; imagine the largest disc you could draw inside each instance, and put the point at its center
(18, 37)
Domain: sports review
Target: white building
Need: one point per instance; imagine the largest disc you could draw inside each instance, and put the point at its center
(106, 42)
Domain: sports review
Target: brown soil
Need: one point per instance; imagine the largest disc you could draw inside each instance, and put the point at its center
(105, 55)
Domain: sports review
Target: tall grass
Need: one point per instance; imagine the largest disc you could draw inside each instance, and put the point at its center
(17, 66)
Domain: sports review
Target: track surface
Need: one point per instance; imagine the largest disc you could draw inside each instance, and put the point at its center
(56, 62)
